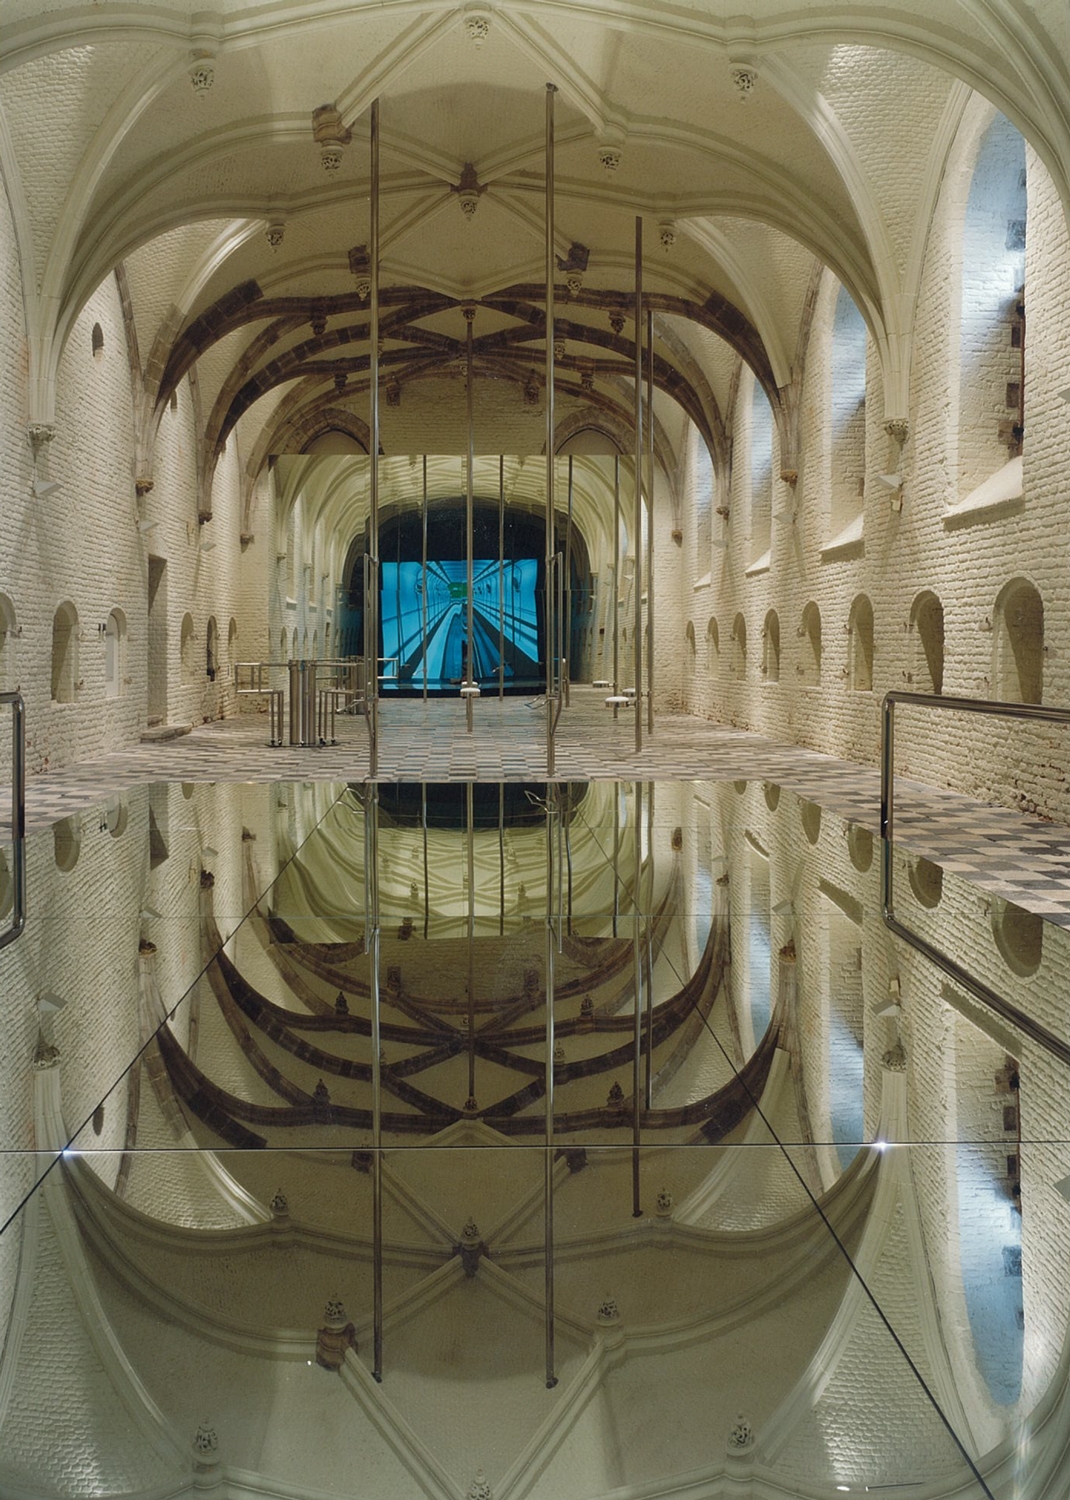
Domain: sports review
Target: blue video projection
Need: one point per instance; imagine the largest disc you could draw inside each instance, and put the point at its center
(503, 609)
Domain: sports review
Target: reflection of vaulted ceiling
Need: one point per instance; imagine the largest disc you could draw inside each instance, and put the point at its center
(761, 146)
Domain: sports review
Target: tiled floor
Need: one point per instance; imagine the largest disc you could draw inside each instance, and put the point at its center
(1021, 858)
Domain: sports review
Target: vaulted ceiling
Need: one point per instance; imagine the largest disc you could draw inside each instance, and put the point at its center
(178, 145)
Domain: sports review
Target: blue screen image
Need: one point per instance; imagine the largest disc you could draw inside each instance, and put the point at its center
(434, 648)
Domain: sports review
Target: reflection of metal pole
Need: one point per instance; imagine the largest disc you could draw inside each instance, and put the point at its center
(501, 575)
(550, 272)
(501, 858)
(371, 927)
(649, 1089)
(637, 580)
(567, 652)
(427, 875)
(423, 563)
(469, 675)
(616, 852)
(548, 1163)
(371, 601)
(637, 965)
(616, 585)
(650, 521)
(469, 814)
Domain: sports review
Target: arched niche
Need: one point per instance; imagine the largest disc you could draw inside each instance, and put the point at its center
(1018, 646)
(771, 647)
(926, 881)
(185, 648)
(64, 653)
(713, 644)
(847, 416)
(739, 647)
(860, 634)
(8, 637)
(115, 655)
(927, 643)
(232, 645)
(809, 666)
(66, 843)
(1019, 936)
(211, 655)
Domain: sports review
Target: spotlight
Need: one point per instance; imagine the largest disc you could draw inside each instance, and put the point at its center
(40, 488)
(48, 1003)
(891, 481)
(146, 526)
(784, 909)
(1063, 1188)
(148, 913)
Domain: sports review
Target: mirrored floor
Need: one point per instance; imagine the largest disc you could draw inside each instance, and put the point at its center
(581, 1139)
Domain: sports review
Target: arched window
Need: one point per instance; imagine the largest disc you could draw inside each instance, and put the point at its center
(327, 639)
(689, 656)
(992, 320)
(293, 646)
(739, 647)
(860, 631)
(8, 637)
(96, 342)
(927, 644)
(771, 647)
(589, 440)
(282, 645)
(211, 662)
(64, 653)
(115, 655)
(232, 646)
(848, 419)
(1018, 629)
(703, 502)
(809, 667)
(761, 474)
(185, 646)
(315, 645)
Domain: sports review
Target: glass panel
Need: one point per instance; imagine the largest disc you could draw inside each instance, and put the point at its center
(827, 1260)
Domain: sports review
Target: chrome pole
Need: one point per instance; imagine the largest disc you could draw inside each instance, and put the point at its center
(637, 582)
(650, 521)
(501, 575)
(371, 888)
(616, 583)
(469, 507)
(371, 599)
(423, 563)
(649, 914)
(551, 269)
(469, 810)
(637, 966)
(548, 1163)
(566, 654)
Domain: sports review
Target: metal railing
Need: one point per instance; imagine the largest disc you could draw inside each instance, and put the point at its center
(969, 982)
(18, 815)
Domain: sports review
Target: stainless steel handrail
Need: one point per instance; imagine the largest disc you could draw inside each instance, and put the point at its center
(976, 987)
(18, 815)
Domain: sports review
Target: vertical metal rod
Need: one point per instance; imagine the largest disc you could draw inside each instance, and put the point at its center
(637, 522)
(371, 889)
(616, 854)
(371, 599)
(469, 509)
(616, 586)
(501, 858)
(427, 871)
(650, 521)
(501, 575)
(551, 268)
(469, 815)
(423, 564)
(567, 652)
(649, 1084)
(17, 924)
(548, 1163)
(887, 802)
(637, 966)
